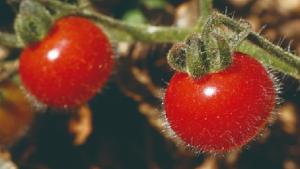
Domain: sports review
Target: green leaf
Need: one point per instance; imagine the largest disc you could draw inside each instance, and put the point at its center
(32, 22)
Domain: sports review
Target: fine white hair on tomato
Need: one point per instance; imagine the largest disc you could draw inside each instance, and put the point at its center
(36, 105)
(199, 150)
(277, 85)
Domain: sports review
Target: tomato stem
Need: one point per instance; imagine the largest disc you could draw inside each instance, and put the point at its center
(224, 52)
(196, 60)
(271, 54)
(140, 32)
(144, 33)
(205, 7)
(10, 40)
(8, 68)
(216, 48)
(205, 10)
(257, 46)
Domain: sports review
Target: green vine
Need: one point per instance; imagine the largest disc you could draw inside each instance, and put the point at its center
(255, 45)
(205, 7)
(10, 40)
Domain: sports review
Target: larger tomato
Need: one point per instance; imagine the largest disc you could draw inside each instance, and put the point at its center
(221, 111)
(69, 66)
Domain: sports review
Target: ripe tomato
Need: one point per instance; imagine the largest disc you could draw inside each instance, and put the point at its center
(221, 111)
(16, 113)
(68, 66)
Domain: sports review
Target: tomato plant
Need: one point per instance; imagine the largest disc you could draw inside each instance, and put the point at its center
(217, 101)
(221, 111)
(69, 65)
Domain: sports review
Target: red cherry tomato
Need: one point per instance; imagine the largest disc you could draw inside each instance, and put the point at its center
(221, 111)
(69, 66)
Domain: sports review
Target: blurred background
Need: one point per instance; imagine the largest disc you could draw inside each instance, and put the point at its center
(122, 128)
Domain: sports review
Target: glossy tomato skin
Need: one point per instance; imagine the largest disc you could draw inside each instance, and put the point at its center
(221, 111)
(68, 66)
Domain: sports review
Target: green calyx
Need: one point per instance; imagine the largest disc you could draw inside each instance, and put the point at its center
(197, 58)
(208, 51)
(32, 22)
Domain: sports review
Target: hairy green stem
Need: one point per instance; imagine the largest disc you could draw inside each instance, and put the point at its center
(260, 48)
(8, 68)
(269, 59)
(196, 65)
(10, 40)
(272, 55)
(205, 7)
(224, 51)
(205, 10)
(144, 33)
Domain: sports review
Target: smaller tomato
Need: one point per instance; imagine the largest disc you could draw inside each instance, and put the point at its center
(16, 113)
(221, 111)
(69, 65)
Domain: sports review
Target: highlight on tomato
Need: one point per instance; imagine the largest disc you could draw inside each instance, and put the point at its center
(221, 111)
